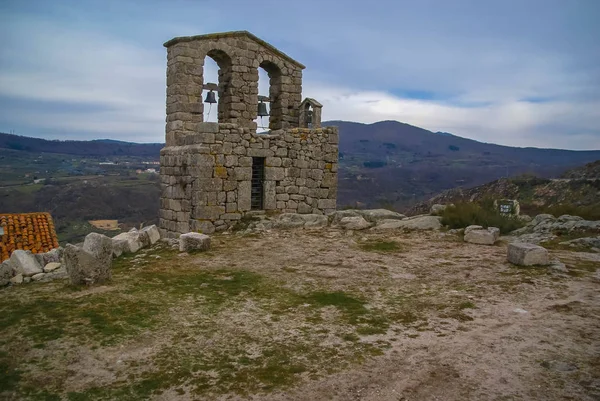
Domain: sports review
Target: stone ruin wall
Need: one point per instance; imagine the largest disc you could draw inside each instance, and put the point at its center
(206, 177)
(206, 167)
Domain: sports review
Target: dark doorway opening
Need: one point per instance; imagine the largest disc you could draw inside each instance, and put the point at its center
(257, 194)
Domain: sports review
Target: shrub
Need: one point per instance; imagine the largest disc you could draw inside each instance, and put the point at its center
(586, 212)
(464, 214)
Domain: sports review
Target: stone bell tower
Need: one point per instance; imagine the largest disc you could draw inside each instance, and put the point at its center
(214, 173)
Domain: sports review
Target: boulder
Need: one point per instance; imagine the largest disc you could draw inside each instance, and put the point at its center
(375, 215)
(99, 246)
(7, 272)
(50, 267)
(18, 279)
(289, 220)
(85, 268)
(38, 277)
(354, 223)
(54, 255)
(127, 243)
(25, 262)
(470, 228)
(315, 220)
(437, 209)
(152, 233)
(588, 242)
(338, 215)
(194, 242)
(524, 254)
(482, 236)
(412, 223)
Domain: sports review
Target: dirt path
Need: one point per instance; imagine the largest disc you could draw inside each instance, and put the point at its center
(311, 315)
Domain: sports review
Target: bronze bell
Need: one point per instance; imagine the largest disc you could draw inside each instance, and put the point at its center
(210, 97)
(262, 110)
(309, 116)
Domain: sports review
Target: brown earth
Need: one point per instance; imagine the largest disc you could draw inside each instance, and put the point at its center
(312, 315)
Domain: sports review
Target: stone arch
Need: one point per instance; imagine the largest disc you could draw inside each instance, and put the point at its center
(274, 71)
(225, 98)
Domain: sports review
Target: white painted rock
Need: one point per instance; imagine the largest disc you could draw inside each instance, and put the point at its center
(50, 267)
(194, 242)
(483, 236)
(24, 262)
(152, 233)
(523, 254)
(354, 223)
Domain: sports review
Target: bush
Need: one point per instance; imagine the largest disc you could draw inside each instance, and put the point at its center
(586, 212)
(465, 214)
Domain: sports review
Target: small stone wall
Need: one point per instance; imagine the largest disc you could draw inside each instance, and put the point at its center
(206, 176)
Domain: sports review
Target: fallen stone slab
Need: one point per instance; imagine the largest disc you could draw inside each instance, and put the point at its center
(315, 220)
(482, 236)
(25, 262)
(18, 279)
(354, 223)
(38, 277)
(415, 223)
(99, 246)
(375, 215)
(127, 243)
(152, 233)
(194, 242)
(7, 272)
(85, 268)
(50, 267)
(288, 220)
(524, 254)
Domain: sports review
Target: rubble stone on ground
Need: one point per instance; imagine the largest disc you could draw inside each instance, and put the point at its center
(25, 262)
(524, 254)
(194, 242)
(84, 268)
(482, 236)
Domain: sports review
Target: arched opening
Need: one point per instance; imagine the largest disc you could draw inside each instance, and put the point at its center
(262, 122)
(269, 84)
(217, 70)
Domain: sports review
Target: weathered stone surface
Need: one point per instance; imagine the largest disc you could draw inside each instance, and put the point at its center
(7, 272)
(194, 242)
(84, 268)
(52, 266)
(24, 262)
(127, 242)
(354, 223)
(375, 215)
(54, 255)
(482, 236)
(417, 223)
(315, 220)
(523, 254)
(437, 209)
(338, 215)
(18, 279)
(289, 220)
(152, 233)
(470, 228)
(38, 277)
(99, 246)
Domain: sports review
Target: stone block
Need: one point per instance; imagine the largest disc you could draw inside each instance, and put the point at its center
(208, 212)
(243, 173)
(152, 233)
(194, 242)
(481, 236)
(100, 247)
(126, 243)
(273, 162)
(274, 173)
(326, 203)
(524, 254)
(84, 268)
(25, 263)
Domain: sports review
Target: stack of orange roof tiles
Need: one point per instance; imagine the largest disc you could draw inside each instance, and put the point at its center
(28, 231)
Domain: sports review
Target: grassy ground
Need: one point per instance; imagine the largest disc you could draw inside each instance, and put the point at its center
(247, 318)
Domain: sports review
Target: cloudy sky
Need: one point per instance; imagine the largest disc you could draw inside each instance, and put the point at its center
(513, 72)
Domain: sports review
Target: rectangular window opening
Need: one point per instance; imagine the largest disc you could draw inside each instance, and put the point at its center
(257, 187)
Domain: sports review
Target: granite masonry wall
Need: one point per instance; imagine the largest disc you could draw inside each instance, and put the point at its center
(206, 168)
(206, 177)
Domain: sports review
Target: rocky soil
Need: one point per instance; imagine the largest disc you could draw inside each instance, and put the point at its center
(311, 314)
